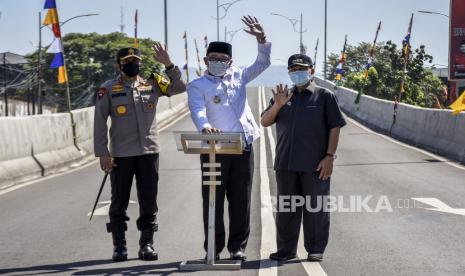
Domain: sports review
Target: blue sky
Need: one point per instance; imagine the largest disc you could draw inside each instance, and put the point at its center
(356, 18)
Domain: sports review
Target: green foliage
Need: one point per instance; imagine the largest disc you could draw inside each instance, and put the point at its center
(90, 60)
(387, 71)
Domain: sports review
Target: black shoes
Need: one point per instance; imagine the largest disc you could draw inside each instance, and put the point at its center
(282, 256)
(315, 257)
(238, 255)
(146, 251)
(120, 251)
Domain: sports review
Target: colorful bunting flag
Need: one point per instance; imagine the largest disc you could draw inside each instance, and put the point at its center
(56, 47)
(371, 58)
(339, 68)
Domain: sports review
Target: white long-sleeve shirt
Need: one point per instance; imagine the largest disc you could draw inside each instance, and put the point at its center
(232, 113)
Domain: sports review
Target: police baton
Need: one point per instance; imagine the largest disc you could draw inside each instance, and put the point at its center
(98, 196)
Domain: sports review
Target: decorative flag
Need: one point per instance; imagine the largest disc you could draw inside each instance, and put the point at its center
(186, 66)
(372, 51)
(205, 39)
(136, 40)
(342, 60)
(459, 105)
(57, 46)
(369, 62)
(199, 70)
(406, 54)
(314, 59)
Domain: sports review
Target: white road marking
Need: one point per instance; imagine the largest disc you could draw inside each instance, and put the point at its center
(268, 267)
(439, 206)
(103, 211)
(390, 139)
(78, 166)
(312, 268)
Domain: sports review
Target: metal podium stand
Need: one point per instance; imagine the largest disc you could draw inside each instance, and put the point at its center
(211, 144)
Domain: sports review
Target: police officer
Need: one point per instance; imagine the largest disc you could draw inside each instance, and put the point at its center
(131, 103)
(308, 122)
(218, 102)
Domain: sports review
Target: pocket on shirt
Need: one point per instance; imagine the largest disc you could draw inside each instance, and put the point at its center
(313, 115)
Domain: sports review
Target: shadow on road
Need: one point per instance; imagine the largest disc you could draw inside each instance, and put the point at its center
(81, 268)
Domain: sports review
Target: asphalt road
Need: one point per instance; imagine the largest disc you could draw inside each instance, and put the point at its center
(45, 228)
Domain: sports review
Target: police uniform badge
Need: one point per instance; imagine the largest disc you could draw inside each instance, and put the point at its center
(121, 110)
(150, 105)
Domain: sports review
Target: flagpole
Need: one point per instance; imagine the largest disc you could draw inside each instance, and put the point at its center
(316, 51)
(39, 70)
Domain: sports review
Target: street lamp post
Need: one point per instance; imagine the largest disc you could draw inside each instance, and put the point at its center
(294, 22)
(225, 7)
(231, 34)
(432, 12)
(326, 28)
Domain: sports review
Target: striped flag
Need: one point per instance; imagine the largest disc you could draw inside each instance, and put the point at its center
(57, 46)
(136, 40)
(342, 60)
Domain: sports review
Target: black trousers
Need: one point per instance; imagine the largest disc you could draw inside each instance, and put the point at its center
(288, 221)
(236, 185)
(145, 168)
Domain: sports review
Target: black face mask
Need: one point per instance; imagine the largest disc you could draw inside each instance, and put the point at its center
(130, 69)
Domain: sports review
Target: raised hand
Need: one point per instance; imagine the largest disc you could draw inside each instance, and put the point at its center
(281, 95)
(161, 55)
(255, 28)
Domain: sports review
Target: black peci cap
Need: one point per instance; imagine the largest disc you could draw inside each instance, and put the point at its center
(125, 53)
(220, 47)
(299, 59)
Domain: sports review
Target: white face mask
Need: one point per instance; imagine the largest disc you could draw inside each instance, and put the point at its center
(218, 68)
(299, 78)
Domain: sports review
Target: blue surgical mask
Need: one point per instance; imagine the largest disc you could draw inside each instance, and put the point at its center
(299, 78)
(218, 68)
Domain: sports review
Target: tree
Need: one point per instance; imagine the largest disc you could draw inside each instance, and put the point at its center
(90, 60)
(385, 75)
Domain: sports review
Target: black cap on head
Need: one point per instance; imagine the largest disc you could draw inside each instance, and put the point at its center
(299, 59)
(220, 47)
(125, 53)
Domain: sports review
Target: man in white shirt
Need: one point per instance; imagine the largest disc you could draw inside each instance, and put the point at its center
(218, 103)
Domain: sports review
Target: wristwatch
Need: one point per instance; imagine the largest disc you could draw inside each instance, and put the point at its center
(334, 156)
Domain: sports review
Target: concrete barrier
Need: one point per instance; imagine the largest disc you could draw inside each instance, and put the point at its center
(40, 145)
(433, 129)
